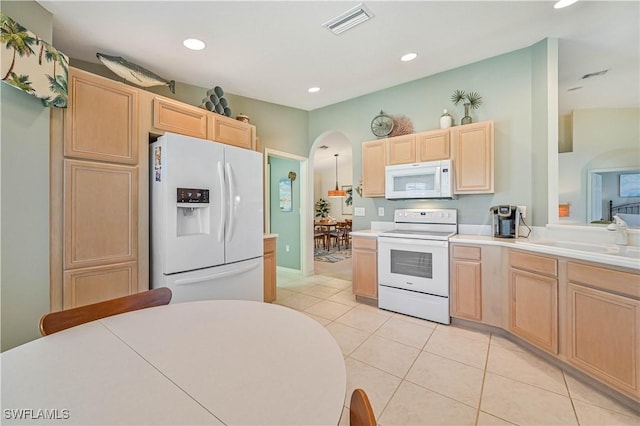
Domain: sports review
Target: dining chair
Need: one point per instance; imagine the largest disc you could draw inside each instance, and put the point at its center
(57, 321)
(360, 411)
(320, 237)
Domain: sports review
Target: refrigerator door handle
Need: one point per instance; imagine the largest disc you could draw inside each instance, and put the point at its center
(223, 197)
(196, 280)
(232, 195)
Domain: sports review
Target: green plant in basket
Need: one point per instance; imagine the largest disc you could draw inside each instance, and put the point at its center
(322, 208)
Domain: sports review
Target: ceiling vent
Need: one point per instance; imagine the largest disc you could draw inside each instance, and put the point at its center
(349, 19)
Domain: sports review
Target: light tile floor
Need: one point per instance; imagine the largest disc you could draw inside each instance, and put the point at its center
(421, 373)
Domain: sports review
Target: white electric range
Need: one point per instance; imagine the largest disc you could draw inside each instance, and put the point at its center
(413, 263)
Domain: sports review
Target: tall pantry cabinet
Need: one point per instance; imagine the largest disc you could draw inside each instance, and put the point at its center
(95, 166)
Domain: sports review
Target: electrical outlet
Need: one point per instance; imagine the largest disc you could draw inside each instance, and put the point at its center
(286, 248)
(523, 211)
(380, 211)
(358, 211)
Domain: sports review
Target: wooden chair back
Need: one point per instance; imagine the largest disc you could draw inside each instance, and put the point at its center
(360, 411)
(57, 321)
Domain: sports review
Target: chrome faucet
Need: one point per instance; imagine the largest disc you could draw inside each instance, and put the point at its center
(620, 226)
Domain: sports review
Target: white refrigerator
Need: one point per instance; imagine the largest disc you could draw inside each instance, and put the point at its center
(206, 214)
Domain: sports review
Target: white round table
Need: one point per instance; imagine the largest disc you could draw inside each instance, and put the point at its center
(207, 362)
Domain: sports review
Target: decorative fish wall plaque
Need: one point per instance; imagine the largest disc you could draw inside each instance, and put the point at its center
(134, 73)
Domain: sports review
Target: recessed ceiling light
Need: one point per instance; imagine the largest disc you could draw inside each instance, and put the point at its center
(409, 57)
(193, 44)
(313, 89)
(563, 3)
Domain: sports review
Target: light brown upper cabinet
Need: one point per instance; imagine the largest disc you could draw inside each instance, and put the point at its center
(233, 132)
(401, 149)
(418, 147)
(433, 145)
(373, 163)
(177, 117)
(473, 158)
(101, 120)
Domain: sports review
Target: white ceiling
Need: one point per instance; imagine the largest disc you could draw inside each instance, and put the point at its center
(275, 50)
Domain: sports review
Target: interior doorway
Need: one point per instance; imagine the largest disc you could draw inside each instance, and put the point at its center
(331, 160)
(285, 206)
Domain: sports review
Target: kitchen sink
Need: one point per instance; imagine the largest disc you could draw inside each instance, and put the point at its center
(631, 252)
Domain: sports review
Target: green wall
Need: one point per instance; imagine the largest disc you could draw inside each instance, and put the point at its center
(24, 177)
(285, 224)
(513, 90)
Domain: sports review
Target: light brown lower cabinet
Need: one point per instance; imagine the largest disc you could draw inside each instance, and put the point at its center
(603, 328)
(533, 300)
(270, 280)
(466, 283)
(365, 268)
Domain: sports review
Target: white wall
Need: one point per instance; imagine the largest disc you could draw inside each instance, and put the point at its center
(325, 179)
(602, 139)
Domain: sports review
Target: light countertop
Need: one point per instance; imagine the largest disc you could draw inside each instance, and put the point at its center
(609, 254)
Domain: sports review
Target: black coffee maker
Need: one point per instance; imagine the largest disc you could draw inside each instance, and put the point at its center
(506, 221)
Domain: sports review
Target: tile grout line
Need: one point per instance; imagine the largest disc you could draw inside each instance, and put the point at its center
(573, 406)
(484, 376)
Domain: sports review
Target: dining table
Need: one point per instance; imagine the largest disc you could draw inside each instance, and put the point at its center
(227, 362)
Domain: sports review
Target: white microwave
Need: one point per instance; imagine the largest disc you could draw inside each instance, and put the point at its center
(431, 179)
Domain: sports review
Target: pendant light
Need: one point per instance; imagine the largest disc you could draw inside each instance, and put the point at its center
(337, 192)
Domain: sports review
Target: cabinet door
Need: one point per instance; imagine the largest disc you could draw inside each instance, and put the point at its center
(433, 145)
(233, 132)
(101, 121)
(177, 117)
(100, 214)
(373, 163)
(365, 267)
(603, 332)
(473, 158)
(270, 270)
(533, 313)
(466, 290)
(92, 285)
(401, 150)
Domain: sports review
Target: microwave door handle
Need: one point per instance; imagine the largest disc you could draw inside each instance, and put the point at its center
(437, 175)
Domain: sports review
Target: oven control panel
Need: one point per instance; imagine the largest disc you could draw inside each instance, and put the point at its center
(444, 216)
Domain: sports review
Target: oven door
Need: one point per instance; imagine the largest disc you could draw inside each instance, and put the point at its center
(414, 264)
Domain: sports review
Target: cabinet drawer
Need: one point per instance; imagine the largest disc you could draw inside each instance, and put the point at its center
(365, 243)
(466, 252)
(618, 281)
(533, 263)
